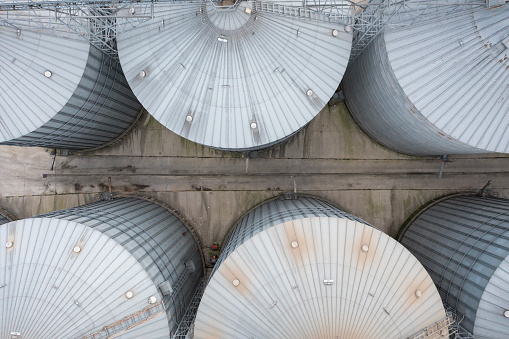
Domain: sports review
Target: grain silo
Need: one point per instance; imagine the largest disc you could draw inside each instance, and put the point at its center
(235, 78)
(306, 269)
(57, 90)
(123, 267)
(436, 87)
(464, 244)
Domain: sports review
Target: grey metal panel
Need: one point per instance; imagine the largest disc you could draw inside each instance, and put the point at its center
(154, 236)
(85, 103)
(276, 212)
(464, 242)
(280, 290)
(436, 87)
(126, 245)
(3, 219)
(259, 71)
(49, 291)
(493, 304)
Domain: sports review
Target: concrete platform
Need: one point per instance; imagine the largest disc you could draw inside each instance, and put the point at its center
(330, 158)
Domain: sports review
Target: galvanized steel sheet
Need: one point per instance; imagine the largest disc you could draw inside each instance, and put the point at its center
(58, 92)
(3, 219)
(231, 79)
(439, 87)
(464, 244)
(305, 269)
(51, 290)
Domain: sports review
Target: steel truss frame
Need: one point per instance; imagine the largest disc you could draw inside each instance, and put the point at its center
(96, 20)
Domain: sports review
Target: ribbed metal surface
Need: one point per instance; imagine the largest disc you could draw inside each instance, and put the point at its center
(282, 291)
(277, 212)
(464, 244)
(126, 245)
(3, 219)
(437, 87)
(85, 103)
(6, 216)
(229, 79)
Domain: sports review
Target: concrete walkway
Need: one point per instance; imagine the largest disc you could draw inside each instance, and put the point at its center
(330, 158)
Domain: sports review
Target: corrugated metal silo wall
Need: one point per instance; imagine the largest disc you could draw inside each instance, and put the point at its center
(3, 219)
(100, 110)
(276, 212)
(461, 242)
(155, 237)
(380, 106)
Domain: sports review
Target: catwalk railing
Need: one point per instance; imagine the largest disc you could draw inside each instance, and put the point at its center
(184, 330)
(97, 21)
(117, 328)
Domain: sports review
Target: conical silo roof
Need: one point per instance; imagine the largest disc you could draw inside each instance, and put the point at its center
(233, 78)
(123, 267)
(305, 269)
(436, 87)
(464, 244)
(58, 91)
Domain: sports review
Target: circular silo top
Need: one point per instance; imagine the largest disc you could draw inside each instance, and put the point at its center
(39, 72)
(319, 277)
(455, 72)
(233, 77)
(62, 279)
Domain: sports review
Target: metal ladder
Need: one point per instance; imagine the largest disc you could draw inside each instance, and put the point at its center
(187, 321)
(437, 330)
(185, 272)
(180, 281)
(129, 322)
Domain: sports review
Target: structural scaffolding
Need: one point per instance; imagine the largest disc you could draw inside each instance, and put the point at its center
(95, 21)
